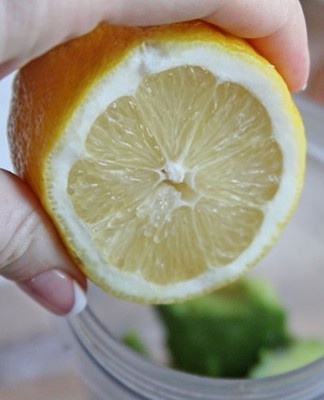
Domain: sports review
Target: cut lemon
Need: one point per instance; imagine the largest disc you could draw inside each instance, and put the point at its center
(168, 157)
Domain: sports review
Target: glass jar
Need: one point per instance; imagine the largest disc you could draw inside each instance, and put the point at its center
(295, 267)
(114, 372)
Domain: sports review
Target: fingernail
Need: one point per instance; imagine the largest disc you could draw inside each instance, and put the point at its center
(57, 292)
(80, 300)
(304, 87)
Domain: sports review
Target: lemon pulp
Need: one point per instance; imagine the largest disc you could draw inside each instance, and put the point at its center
(177, 178)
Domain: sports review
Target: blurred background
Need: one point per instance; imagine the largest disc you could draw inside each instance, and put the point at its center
(5, 89)
(34, 364)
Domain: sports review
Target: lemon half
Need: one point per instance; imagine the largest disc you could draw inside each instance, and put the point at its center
(169, 158)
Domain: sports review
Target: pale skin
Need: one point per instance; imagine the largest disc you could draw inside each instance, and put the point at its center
(31, 253)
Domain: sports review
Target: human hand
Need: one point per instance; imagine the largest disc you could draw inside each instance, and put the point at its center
(31, 253)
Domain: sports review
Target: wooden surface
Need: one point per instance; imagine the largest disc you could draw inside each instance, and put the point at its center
(34, 362)
(54, 387)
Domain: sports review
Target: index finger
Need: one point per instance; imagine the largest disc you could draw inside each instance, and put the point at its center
(276, 29)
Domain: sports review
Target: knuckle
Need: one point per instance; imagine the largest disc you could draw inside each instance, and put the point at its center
(18, 232)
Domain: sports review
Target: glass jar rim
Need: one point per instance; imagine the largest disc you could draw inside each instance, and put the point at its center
(140, 376)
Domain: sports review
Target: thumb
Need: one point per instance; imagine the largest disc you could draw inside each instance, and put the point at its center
(31, 253)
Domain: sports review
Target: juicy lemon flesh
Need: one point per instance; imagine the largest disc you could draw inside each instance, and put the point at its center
(176, 178)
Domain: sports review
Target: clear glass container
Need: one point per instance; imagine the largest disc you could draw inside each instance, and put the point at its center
(295, 267)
